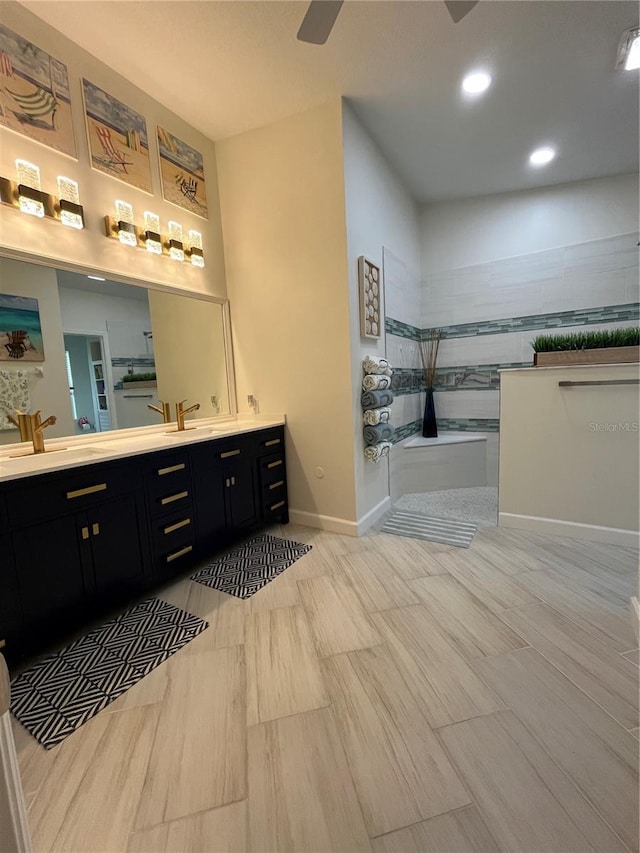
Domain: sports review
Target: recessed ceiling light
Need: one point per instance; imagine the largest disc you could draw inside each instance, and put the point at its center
(629, 50)
(96, 277)
(476, 83)
(542, 156)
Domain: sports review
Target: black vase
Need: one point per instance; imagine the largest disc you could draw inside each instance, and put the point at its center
(429, 425)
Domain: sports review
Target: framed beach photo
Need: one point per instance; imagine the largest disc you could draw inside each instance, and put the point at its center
(20, 329)
(34, 93)
(182, 174)
(118, 141)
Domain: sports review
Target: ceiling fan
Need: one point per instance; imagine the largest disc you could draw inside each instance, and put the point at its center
(321, 16)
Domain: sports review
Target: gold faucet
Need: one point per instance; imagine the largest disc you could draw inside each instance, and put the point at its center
(165, 411)
(180, 413)
(23, 422)
(37, 429)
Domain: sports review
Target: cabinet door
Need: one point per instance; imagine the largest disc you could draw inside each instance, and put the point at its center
(49, 561)
(116, 551)
(10, 607)
(240, 489)
(210, 506)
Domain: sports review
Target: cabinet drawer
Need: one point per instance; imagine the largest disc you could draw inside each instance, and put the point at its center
(170, 530)
(271, 441)
(166, 474)
(174, 555)
(272, 469)
(173, 499)
(48, 496)
(274, 492)
(275, 507)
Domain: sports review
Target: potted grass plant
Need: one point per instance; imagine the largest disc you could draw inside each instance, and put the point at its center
(429, 353)
(142, 380)
(613, 346)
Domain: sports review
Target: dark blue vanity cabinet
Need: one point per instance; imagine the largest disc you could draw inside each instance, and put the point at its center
(74, 544)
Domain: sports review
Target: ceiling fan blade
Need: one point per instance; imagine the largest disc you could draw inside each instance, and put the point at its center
(318, 22)
(459, 8)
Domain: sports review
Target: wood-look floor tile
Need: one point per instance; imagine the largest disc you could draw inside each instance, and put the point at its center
(224, 613)
(438, 674)
(89, 799)
(608, 623)
(220, 830)
(495, 589)
(633, 656)
(471, 627)
(603, 674)
(149, 690)
(376, 582)
(283, 670)
(635, 732)
(588, 744)
(280, 592)
(526, 801)
(301, 796)
(410, 558)
(399, 768)
(338, 619)
(508, 559)
(198, 757)
(462, 831)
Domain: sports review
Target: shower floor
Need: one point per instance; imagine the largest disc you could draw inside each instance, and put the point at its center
(479, 504)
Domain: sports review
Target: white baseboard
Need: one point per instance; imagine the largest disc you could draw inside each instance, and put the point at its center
(341, 525)
(573, 529)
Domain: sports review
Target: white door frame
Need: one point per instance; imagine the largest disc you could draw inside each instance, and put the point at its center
(108, 374)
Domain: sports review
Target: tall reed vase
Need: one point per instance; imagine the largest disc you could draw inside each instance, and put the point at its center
(429, 425)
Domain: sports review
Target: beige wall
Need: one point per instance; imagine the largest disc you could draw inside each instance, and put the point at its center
(98, 192)
(188, 343)
(49, 393)
(565, 453)
(282, 200)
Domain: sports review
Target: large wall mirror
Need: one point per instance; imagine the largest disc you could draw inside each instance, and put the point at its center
(95, 353)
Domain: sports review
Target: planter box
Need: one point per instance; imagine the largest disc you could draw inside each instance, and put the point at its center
(143, 383)
(605, 355)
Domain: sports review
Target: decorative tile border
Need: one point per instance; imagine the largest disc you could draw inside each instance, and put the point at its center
(629, 312)
(401, 330)
(471, 377)
(448, 425)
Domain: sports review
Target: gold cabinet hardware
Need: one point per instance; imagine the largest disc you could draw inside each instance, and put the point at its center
(179, 553)
(227, 483)
(184, 523)
(277, 506)
(89, 490)
(272, 442)
(171, 469)
(95, 529)
(233, 481)
(171, 498)
(274, 464)
(85, 532)
(275, 485)
(229, 453)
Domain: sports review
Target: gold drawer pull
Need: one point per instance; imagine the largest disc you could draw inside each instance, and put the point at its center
(229, 453)
(179, 553)
(90, 490)
(177, 497)
(85, 532)
(96, 529)
(277, 506)
(275, 485)
(184, 523)
(272, 442)
(171, 469)
(274, 464)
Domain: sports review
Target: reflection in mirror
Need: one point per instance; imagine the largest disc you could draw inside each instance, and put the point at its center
(96, 353)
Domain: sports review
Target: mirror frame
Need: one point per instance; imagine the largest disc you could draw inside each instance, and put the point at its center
(146, 284)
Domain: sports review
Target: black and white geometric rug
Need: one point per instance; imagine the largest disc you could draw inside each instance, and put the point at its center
(246, 569)
(58, 694)
(446, 531)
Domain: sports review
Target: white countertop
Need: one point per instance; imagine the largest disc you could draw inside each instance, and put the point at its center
(18, 460)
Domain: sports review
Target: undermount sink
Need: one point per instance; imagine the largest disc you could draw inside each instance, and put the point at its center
(29, 461)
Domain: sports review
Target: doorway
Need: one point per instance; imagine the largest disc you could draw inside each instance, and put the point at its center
(89, 372)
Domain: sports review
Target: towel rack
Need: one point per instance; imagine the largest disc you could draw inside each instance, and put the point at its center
(568, 384)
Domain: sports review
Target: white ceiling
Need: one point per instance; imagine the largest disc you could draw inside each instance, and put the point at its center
(227, 67)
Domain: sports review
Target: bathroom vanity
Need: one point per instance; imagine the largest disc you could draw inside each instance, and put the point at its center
(94, 525)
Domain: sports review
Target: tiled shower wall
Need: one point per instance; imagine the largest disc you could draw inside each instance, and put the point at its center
(489, 313)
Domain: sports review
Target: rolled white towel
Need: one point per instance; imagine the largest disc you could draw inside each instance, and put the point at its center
(372, 417)
(372, 364)
(376, 382)
(375, 452)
